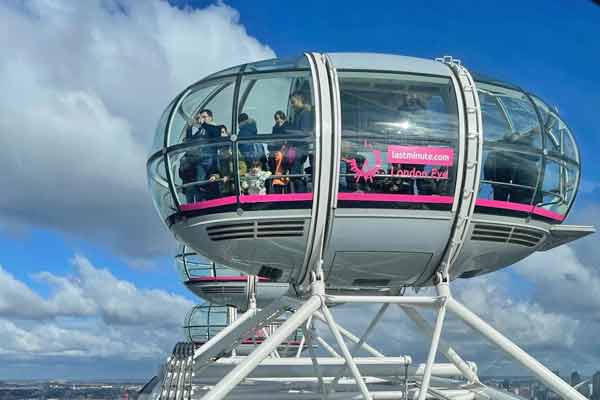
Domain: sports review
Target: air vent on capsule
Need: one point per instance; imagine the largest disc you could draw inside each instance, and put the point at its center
(223, 289)
(507, 234)
(240, 230)
(279, 228)
(256, 230)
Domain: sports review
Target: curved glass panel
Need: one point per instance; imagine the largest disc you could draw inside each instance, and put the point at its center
(159, 187)
(204, 112)
(274, 143)
(203, 174)
(204, 322)
(561, 172)
(512, 149)
(225, 72)
(399, 140)
(509, 118)
(510, 176)
(180, 268)
(274, 64)
(528, 167)
(558, 138)
(161, 129)
(559, 186)
(190, 265)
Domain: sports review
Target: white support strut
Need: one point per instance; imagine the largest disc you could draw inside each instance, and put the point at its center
(263, 350)
(442, 289)
(346, 353)
(351, 337)
(363, 338)
(444, 347)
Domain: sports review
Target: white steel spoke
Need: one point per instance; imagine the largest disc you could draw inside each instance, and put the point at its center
(437, 332)
(351, 337)
(261, 352)
(346, 353)
(363, 338)
(444, 347)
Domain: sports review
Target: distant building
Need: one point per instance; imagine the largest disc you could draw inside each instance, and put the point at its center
(596, 386)
(541, 394)
(575, 378)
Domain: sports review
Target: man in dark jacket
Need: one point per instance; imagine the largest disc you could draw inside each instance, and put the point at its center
(303, 115)
(250, 150)
(199, 163)
(303, 122)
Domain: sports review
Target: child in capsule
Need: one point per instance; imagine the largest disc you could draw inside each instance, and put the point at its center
(254, 181)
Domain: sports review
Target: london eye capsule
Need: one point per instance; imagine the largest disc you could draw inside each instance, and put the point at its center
(224, 286)
(205, 321)
(384, 168)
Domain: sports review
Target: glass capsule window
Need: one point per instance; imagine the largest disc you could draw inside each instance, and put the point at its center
(204, 322)
(562, 169)
(203, 113)
(278, 64)
(203, 174)
(530, 159)
(159, 134)
(275, 136)
(240, 141)
(512, 158)
(399, 140)
(191, 266)
(159, 186)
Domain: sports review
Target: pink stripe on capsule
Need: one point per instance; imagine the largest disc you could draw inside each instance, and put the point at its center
(527, 208)
(401, 198)
(275, 198)
(224, 278)
(223, 201)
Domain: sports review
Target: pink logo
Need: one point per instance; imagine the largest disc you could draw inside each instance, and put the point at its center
(407, 155)
(420, 155)
(364, 171)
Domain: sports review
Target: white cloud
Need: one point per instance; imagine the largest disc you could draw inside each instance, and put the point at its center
(563, 283)
(91, 291)
(88, 314)
(525, 322)
(84, 84)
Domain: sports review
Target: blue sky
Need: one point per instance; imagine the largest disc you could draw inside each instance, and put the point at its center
(111, 74)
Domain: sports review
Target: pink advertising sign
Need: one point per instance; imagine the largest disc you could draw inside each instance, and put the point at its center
(420, 155)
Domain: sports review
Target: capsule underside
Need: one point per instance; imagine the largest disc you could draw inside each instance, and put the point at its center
(223, 286)
(363, 160)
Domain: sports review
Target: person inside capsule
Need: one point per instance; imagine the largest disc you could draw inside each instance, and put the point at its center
(249, 152)
(514, 174)
(277, 162)
(297, 154)
(199, 168)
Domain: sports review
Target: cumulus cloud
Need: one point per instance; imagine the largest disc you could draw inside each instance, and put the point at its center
(526, 322)
(83, 86)
(90, 291)
(89, 314)
(562, 282)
